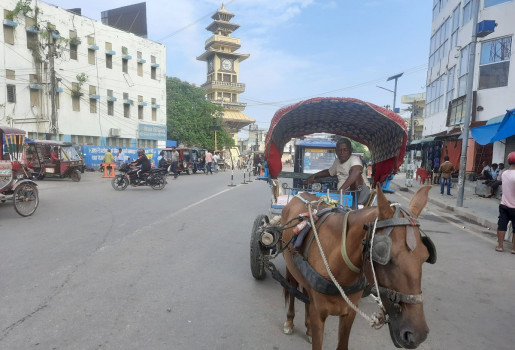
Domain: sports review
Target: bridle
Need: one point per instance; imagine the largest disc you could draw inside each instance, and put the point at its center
(378, 248)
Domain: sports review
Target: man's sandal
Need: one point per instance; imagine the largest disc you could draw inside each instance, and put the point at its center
(497, 249)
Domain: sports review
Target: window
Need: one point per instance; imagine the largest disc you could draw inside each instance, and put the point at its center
(439, 43)
(109, 61)
(455, 26)
(154, 114)
(456, 111)
(73, 51)
(153, 72)
(451, 73)
(489, 3)
(92, 106)
(140, 69)
(10, 74)
(126, 110)
(76, 103)
(125, 65)
(32, 41)
(110, 107)
(8, 34)
(91, 56)
(494, 66)
(11, 93)
(467, 10)
(140, 112)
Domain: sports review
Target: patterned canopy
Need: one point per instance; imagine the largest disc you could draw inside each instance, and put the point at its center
(382, 131)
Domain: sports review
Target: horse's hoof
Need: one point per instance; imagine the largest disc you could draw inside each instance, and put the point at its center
(310, 339)
(287, 329)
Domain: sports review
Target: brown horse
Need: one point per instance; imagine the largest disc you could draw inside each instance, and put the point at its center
(399, 279)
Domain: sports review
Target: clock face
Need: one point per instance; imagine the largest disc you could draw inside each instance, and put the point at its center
(226, 64)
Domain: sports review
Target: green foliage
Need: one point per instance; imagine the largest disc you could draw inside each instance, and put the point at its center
(190, 117)
(359, 148)
(22, 6)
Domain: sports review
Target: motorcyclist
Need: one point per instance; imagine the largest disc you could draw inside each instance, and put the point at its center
(143, 161)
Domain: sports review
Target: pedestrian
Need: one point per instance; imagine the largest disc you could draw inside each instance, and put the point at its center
(494, 185)
(446, 170)
(486, 167)
(174, 165)
(507, 205)
(216, 158)
(120, 158)
(209, 162)
(108, 159)
(494, 171)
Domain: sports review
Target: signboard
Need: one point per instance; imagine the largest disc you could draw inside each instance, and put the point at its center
(152, 132)
(93, 155)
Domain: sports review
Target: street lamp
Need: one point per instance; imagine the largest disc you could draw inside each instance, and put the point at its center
(395, 77)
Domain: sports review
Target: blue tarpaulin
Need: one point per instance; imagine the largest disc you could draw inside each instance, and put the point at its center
(494, 132)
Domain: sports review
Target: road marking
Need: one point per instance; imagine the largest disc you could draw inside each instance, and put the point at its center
(201, 201)
(463, 228)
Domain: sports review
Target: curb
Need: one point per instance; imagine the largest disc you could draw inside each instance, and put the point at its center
(490, 225)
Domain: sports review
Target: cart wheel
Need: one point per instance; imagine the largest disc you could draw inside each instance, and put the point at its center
(120, 182)
(75, 175)
(190, 171)
(257, 252)
(26, 199)
(157, 182)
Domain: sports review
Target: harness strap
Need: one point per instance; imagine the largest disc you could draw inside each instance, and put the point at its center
(312, 237)
(345, 256)
(323, 285)
(397, 297)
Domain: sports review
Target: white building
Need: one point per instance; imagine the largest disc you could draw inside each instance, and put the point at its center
(110, 85)
(493, 84)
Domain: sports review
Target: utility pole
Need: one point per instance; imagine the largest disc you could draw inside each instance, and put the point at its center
(468, 106)
(53, 85)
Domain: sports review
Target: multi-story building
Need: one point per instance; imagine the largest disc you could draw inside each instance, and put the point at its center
(493, 80)
(67, 77)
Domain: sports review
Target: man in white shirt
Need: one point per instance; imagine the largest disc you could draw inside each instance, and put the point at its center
(348, 168)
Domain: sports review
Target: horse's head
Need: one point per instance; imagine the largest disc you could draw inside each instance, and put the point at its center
(398, 252)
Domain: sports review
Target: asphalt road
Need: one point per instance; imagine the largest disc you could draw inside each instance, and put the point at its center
(94, 268)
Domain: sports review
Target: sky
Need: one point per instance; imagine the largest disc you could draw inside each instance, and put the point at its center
(298, 49)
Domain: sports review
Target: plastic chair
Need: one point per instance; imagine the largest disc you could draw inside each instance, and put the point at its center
(424, 176)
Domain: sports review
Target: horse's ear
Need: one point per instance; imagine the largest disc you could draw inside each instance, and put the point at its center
(385, 211)
(419, 201)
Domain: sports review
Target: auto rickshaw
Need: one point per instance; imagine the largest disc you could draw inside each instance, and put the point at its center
(199, 159)
(49, 158)
(15, 181)
(185, 163)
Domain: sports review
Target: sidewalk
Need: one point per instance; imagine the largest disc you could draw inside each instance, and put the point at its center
(482, 211)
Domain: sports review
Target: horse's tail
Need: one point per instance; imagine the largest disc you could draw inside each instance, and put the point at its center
(291, 280)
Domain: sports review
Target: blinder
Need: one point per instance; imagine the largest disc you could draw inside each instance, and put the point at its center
(430, 248)
(382, 244)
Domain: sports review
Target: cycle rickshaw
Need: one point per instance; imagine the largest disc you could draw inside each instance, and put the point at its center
(15, 179)
(299, 211)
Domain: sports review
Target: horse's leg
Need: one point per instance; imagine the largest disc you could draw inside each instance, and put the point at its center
(307, 321)
(317, 323)
(344, 328)
(290, 299)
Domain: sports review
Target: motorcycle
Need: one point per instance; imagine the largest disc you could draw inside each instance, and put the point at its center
(155, 178)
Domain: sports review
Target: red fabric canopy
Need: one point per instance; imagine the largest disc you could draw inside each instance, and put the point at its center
(382, 131)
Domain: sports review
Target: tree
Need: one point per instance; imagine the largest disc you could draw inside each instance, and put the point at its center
(190, 117)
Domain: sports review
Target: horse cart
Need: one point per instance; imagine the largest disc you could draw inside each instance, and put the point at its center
(15, 182)
(335, 250)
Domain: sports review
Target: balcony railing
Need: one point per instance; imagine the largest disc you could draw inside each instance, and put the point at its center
(238, 87)
(230, 105)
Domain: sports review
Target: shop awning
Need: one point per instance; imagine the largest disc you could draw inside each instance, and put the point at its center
(496, 131)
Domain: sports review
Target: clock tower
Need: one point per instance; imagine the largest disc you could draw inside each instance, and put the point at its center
(222, 85)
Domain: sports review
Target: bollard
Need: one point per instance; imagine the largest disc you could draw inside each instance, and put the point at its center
(250, 172)
(243, 183)
(232, 178)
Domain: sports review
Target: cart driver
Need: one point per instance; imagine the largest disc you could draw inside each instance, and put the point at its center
(143, 161)
(348, 168)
